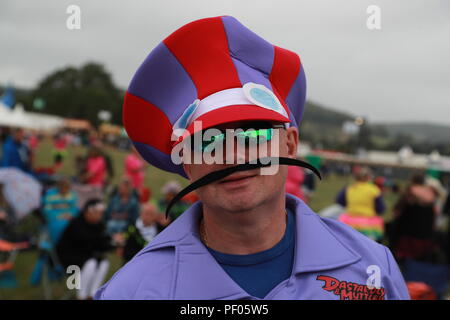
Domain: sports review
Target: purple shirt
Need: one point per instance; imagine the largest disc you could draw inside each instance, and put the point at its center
(332, 261)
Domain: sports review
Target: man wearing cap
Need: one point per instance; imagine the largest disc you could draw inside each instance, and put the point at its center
(246, 238)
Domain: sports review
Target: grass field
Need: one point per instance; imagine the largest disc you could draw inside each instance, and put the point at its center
(155, 178)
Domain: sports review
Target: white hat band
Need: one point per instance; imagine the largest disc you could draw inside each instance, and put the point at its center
(249, 94)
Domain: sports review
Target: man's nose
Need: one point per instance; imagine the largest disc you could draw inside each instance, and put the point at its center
(235, 152)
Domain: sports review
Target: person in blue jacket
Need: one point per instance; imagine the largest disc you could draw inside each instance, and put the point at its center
(60, 206)
(246, 238)
(15, 152)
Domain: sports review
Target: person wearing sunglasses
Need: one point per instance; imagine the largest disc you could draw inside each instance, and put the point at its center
(248, 134)
(221, 106)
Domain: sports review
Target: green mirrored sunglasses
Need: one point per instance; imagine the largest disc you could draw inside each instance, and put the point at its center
(248, 137)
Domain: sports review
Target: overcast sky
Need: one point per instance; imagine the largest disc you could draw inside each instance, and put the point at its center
(398, 73)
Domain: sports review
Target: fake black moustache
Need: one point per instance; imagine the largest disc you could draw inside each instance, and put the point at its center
(220, 174)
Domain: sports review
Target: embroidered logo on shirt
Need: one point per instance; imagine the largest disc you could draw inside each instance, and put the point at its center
(350, 290)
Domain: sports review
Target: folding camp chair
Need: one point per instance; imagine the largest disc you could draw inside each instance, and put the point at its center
(48, 268)
(9, 252)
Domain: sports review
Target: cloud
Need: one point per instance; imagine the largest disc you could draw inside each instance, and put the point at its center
(398, 73)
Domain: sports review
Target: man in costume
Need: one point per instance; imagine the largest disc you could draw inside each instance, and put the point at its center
(246, 238)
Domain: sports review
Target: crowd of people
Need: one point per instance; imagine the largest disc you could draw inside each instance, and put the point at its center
(86, 215)
(414, 228)
(414, 233)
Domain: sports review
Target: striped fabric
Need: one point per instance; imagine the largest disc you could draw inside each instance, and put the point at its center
(372, 227)
(199, 59)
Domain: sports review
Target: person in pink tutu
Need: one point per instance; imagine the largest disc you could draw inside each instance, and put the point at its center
(364, 205)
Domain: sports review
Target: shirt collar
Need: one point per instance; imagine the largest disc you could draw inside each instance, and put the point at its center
(199, 276)
(318, 248)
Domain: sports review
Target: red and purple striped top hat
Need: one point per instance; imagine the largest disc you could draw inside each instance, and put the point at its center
(215, 70)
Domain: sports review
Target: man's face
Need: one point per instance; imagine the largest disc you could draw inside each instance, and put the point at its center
(244, 190)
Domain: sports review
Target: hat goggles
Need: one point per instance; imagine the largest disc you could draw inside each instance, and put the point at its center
(246, 137)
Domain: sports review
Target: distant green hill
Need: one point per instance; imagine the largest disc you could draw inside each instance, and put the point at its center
(315, 113)
(322, 124)
(421, 132)
(324, 121)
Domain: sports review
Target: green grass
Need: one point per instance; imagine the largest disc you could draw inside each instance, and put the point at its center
(25, 291)
(324, 196)
(154, 178)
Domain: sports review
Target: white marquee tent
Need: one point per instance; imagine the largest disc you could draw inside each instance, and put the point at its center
(18, 117)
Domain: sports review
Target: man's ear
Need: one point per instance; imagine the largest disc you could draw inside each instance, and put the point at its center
(187, 170)
(292, 141)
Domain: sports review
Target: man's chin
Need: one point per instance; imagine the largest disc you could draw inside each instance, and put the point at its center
(240, 202)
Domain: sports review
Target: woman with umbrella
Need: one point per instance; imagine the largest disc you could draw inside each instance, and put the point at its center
(21, 191)
(6, 217)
